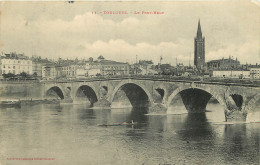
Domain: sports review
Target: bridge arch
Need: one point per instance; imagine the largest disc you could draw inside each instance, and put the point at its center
(206, 90)
(88, 91)
(131, 84)
(252, 102)
(55, 91)
(238, 97)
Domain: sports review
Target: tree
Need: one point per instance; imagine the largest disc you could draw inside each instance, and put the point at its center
(100, 57)
(23, 75)
(34, 74)
(8, 75)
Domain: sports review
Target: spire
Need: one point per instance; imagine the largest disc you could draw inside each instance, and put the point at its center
(199, 33)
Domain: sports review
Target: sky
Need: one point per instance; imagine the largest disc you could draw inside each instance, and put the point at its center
(70, 30)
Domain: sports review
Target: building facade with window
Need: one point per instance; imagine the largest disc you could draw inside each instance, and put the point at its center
(231, 74)
(37, 65)
(224, 64)
(70, 70)
(255, 73)
(15, 64)
(49, 72)
(108, 67)
(37, 69)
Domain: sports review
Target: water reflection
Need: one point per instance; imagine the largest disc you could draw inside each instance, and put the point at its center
(84, 114)
(73, 137)
(195, 127)
(237, 144)
(138, 115)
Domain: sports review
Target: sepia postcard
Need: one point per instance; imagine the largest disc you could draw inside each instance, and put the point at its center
(130, 82)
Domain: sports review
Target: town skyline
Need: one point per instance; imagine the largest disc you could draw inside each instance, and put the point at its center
(82, 34)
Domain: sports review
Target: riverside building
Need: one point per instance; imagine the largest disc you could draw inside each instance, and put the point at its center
(255, 73)
(223, 64)
(15, 64)
(108, 67)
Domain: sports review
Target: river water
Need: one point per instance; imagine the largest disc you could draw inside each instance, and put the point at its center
(68, 134)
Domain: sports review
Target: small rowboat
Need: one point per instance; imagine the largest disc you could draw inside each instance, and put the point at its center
(105, 125)
(129, 123)
(10, 103)
(119, 124)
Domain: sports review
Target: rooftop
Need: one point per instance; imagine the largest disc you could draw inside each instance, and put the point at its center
(108, 62)
(223, 59)
(15, 56)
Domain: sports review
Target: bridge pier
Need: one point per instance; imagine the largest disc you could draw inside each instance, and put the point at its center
(234, 111)
(235, 115)
(67, 99)
(158, 108)
(102, 102)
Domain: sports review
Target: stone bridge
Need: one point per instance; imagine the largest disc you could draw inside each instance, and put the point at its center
(236, 99)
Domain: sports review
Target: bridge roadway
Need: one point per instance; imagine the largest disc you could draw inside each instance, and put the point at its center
(157, 92)
(207, 80)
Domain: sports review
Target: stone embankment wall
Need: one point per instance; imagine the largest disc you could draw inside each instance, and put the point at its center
(20, 90)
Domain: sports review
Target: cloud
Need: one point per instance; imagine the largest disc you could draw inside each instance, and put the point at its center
(123, 51)
(246, 53)
(81, 37)
(77, 32)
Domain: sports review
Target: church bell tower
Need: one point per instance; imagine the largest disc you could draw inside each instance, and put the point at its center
(199, 50)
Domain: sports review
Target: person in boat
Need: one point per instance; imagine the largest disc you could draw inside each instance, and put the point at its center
(131, 122)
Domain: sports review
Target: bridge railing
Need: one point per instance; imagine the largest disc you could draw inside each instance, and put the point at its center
(210, 80)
